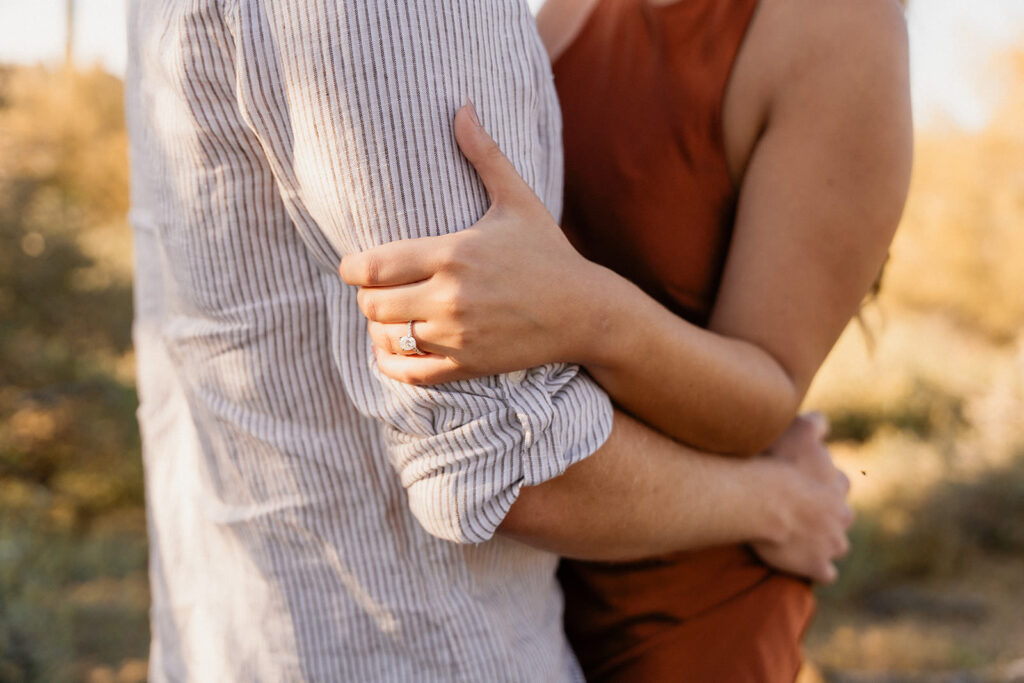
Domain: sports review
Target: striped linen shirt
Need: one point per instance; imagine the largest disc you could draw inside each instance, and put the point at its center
(309, 518)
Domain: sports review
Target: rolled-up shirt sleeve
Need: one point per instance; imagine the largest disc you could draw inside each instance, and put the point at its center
(352, 102)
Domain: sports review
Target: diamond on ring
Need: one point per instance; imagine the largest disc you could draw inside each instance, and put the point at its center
(408, 342)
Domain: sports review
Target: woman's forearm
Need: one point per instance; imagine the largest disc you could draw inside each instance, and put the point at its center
(643, 494)
(712, 392)
(511, 292)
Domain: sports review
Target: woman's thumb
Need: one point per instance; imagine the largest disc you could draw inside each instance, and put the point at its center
(497, 172)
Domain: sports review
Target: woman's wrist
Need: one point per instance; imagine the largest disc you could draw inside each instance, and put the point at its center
(602, 327)
(771, 490)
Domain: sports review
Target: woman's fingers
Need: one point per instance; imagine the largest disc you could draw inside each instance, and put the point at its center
(417, 370)
(395, 263)
(498, 174)
(397, 304)
(385, 336)
(407, 261)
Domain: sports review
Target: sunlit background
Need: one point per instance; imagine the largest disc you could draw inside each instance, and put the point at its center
(926, 397)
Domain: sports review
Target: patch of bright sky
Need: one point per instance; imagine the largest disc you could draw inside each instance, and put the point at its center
(953, 45)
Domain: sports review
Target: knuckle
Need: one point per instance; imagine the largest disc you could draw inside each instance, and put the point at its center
(462, 253)
(369, 306)
(459, 337)
(803, 435)
(816, 418)
(802, 424)
(810, 428)
(450, 306)
(371, 268)
(491, 152)
(450, 254)
(802, 421)
(455, 302)
(384, 341)
(825, 422)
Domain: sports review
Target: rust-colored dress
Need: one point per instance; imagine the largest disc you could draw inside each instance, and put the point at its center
(648, 194)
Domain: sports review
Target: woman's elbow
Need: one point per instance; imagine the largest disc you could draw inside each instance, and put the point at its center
(756, 426)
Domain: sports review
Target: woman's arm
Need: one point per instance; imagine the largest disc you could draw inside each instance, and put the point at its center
(643, 494)
(819, 203)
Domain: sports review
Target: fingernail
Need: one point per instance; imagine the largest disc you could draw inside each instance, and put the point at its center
(472, 112)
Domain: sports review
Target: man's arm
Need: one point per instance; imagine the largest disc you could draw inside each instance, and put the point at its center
(641, 495)
(352, 103)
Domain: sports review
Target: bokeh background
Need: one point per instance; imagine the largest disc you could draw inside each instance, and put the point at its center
(926, 394)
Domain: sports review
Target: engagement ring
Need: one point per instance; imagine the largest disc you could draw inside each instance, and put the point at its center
(408, 342)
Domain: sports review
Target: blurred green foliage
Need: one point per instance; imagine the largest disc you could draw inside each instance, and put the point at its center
(930, 426)
(71, 520)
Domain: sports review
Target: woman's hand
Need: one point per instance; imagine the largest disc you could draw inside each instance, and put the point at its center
(815, 517)
(502, 295)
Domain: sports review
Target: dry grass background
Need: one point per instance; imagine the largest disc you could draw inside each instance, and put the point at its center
(928, 419)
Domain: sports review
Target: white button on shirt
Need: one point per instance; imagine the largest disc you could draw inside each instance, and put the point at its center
(311, 519)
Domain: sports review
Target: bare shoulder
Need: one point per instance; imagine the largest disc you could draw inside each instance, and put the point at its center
(560, 21)
(845, 61)
(831, 81)
(843, 67)
(854, 42)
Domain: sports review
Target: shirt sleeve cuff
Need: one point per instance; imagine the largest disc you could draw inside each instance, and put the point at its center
(461, 483)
